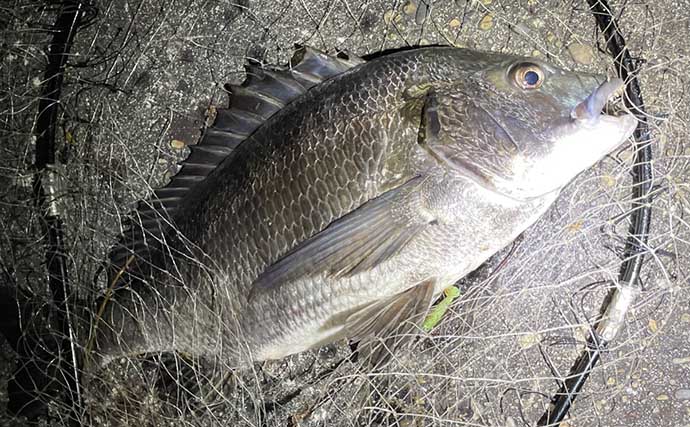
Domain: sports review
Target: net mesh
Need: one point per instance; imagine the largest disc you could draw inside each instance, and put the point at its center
(138, 86)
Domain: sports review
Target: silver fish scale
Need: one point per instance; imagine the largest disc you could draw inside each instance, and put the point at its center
(313, 162)
(343, 143)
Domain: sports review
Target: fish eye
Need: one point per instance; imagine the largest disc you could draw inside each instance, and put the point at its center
(527, 75)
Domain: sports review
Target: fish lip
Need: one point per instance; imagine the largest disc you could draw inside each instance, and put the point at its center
(590, 109)
(627, 123)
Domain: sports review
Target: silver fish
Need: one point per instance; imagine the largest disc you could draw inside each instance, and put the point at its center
(336, 197)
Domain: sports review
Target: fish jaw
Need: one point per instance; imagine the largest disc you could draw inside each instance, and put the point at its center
(580, 141)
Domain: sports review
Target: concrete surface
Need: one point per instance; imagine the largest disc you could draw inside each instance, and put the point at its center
(145, 73)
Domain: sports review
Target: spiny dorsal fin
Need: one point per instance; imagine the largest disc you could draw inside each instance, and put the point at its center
(264, 92)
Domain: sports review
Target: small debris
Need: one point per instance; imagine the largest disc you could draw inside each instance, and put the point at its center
(662, 397)
(608, 181)
(301, 415)
(177, 144)
(409, 8)
(581, 54)
(537, 23)
(552, 40)
(576, 226)
(680, 360)
(423, 11)
(682, 394)
(653, 327)
(391, 16)
(69, 138)
(436, 314)
(528, 340)
(211, 113)
(487, 22)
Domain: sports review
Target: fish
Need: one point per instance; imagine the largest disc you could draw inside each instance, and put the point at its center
(337, 197)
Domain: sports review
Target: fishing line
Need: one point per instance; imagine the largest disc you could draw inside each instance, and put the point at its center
(35, 364)
(473, 368)
(621, 296)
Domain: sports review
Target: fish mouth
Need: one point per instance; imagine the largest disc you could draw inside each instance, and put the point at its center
(592, 108)
(602, 108)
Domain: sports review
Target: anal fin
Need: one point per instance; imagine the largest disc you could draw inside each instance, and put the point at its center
(385, 325)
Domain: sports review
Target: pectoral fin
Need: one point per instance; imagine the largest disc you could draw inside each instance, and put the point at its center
(393, 320)
(357, 242)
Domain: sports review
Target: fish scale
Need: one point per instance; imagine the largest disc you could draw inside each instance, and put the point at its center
(362, 189)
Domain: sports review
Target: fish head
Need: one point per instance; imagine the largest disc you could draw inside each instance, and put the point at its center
(524, 128)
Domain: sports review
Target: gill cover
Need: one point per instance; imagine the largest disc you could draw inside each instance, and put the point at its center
(522, 129)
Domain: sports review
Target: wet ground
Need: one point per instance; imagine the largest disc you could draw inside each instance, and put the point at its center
(141, 82)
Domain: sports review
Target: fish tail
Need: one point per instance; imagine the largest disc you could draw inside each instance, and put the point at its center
(167, 319)
(120, 332)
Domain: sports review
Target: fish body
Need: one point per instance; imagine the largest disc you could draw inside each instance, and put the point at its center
(351, 193)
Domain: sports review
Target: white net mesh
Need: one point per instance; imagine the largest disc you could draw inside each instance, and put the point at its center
(139, 82)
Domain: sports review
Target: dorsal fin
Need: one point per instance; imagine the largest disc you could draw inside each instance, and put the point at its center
(264, 92)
